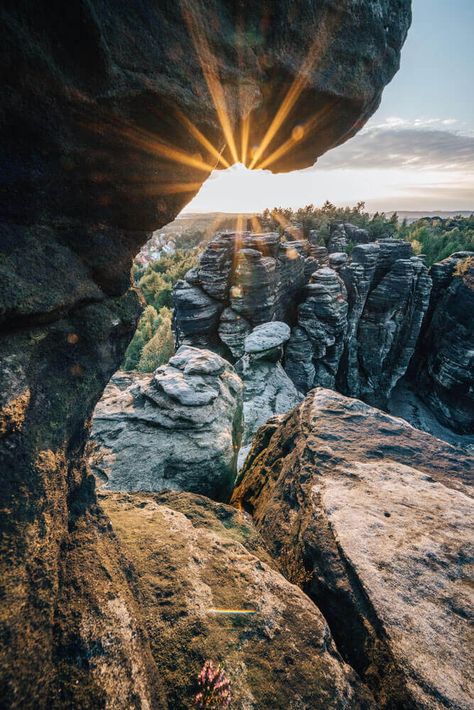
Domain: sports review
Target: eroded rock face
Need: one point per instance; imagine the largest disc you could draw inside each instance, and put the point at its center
(444, 363)
(178, 429)
(190, 557)
(322, 317)
(243, 280)
(379, 516)
(94, 153)
(267, 389)
(355, 320)
(359, 320)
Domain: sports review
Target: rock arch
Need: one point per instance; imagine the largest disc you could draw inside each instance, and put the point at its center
(95, 154)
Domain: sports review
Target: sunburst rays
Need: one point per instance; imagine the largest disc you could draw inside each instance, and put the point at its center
(316, 50)
(297, 135)
(198, 34)
(208, 156)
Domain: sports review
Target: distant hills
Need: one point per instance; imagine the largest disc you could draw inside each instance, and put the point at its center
(210, 222)
(413, 216)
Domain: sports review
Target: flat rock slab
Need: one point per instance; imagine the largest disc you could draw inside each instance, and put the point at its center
(374, 519)
(189, 559)
(267, 336)
(407, 539)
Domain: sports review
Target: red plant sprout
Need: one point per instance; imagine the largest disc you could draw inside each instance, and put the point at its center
(214, 688)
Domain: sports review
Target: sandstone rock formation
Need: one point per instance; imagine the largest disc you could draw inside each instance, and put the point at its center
(358, 323)
(242, 280)
(320, 332)
(379, 515)
(189, 558)
(267, 389)
(343, 233)
(178, 429)
(355, 320)
(444, 363)
(99, 101)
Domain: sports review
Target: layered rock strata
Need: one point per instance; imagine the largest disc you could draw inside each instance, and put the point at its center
(242, 280)
(444, 365)
(355, 319)
(379, 515)
(178, 429)
(320, 332)
(358, 322)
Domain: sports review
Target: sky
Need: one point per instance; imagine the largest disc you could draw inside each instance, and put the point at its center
(415, 153)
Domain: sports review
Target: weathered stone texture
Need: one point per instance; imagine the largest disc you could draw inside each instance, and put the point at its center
(190, 557)
(178, 429)
(444, 365)
(379, 516)
(93, 99)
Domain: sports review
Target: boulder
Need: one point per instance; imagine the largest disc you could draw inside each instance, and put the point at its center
(372, 518)
(267, 388)
(266, 339)
(194, 564)
(178, 429)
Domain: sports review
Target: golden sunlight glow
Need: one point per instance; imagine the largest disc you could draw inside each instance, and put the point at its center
(256, 226)
(244, 156)
(245, 139)
(282, 221)
(171, 188)
(149, 143)
(203, 140)
(316, 50)
(297, 135)
(239, 223)
(210, 71)
(239, 189)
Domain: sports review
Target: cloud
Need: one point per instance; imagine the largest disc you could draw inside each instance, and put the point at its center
(420, 144)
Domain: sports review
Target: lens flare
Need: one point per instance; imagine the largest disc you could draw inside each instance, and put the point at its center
(203, 140)
(297, 134)
(208, 64)
(316, 51)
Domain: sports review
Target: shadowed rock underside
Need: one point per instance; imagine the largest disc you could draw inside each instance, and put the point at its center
(96, 103)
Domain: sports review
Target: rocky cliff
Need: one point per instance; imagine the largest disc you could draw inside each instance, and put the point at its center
(355, 320)
(104, 105)
(378, 514)
(444, 365)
